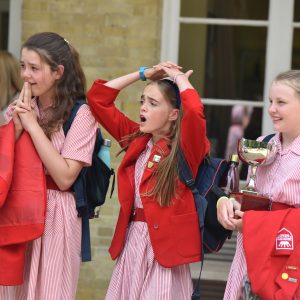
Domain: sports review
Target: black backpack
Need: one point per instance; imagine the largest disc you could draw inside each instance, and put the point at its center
(90, 187)
(206, 190)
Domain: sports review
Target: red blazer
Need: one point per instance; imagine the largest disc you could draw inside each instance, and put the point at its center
(23, 202)
(272, 250)
(174, 231)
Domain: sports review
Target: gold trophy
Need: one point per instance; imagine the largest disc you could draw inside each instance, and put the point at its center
(255, 154)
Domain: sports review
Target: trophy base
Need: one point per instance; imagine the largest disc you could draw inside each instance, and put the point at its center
(251, 201)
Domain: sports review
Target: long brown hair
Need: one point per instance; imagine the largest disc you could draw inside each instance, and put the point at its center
(54, 50)
(166, 173)
(10, 80)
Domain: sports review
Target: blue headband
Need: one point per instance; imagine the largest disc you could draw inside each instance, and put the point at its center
(176, 90)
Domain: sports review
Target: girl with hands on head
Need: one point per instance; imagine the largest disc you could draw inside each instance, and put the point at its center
(53, 82)
(157, 233)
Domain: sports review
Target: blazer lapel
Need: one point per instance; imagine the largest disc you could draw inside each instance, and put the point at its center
(135, 149)
(159, 151)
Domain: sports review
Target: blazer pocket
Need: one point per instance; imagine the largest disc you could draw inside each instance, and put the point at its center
(186, 234)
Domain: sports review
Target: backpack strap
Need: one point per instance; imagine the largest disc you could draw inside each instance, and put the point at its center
(186, 176)
(74, 110)
(78, 188)
(86, 251)
(268, 137)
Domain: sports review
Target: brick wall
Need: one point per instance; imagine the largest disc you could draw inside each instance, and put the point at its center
(113, 37)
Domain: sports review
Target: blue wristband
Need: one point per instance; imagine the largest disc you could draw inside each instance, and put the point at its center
(142, 73)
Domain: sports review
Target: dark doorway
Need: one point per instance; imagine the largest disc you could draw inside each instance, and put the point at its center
(4, 23)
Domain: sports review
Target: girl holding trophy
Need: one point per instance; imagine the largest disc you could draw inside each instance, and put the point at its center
(266, 263)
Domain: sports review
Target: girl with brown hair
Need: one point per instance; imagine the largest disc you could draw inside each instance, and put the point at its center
(52, 74)
(157, 234)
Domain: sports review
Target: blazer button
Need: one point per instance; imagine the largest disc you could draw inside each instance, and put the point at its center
(155, 226)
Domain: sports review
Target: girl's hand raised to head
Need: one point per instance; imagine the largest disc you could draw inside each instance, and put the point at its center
(158, 71)
(179, 78)
(174, 73)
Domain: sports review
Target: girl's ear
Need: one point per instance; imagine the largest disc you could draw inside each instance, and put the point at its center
(174, 114)
(59, 72)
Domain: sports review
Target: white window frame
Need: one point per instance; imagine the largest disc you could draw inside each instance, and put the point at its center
(280, 27)
(15, 27)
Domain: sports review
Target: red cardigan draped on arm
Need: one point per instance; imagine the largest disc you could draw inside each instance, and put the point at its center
(23, 197)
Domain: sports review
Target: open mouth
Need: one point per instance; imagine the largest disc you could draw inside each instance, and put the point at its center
(142, 119)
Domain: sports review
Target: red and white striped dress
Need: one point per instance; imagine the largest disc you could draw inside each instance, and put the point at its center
(281, 182)
(137, 275)
(53, 261)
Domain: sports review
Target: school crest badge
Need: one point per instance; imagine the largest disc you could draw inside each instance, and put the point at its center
(284, 240)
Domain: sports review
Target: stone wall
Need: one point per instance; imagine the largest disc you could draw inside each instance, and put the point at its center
(113, 37)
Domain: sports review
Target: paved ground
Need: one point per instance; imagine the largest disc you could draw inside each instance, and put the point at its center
(211, 270)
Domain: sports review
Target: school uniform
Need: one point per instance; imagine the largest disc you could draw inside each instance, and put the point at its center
(52, 262)
(170, 235)
(280, 181)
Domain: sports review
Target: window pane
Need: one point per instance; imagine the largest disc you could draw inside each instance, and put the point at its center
(296, 50)
(219, 120)
(228, 61)
(232, 9)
